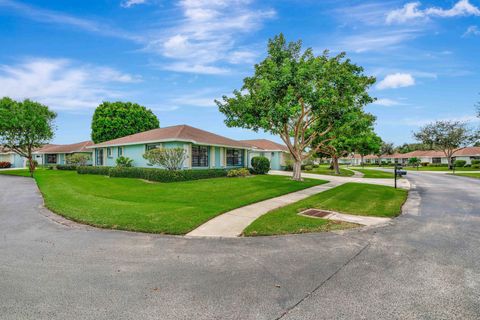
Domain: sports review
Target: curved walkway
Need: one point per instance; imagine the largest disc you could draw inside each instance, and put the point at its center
(424, 264)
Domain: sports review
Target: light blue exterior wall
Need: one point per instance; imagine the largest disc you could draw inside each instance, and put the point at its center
(217, 157)
(18, 161)
(275, 158)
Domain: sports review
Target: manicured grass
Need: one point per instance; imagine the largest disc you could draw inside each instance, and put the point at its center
(469, 174)
(351, 198)
(173, 208)
(440, 169)
(19, 172)
(325, 169)
(371, 173)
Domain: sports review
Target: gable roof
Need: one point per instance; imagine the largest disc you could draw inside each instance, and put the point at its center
(265, 144)
(66, 148)
(174, 133)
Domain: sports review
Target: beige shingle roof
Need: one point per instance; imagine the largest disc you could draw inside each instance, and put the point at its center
(66, 148)
(469, 151)
(265, 144)
(174, 133)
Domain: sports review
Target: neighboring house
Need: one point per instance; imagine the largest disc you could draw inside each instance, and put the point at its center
(203, 149)
(430, 156)
(275, 152)
(57, 154)
(14, 159)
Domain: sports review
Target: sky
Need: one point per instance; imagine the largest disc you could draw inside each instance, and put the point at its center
(176, 57)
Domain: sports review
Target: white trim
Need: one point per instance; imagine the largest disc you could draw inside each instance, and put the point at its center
(166, 140)
(212, 157)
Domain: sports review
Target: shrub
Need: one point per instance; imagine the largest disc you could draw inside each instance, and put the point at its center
(169, 158)
(475, 162)
(242, 172)
(5, 164)
(460, 163)
(260, 165)
(476, 166)
(315, 166)
(103, 171)
(438, 165)
(66, 167)
(162, 175)
(424, 164)
(78, 159)
(124, 162)
(308, 168)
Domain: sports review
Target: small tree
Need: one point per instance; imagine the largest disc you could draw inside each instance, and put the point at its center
(367, 143)
(25, 126)
(78, 159)
(113, 120)
(414, 162)
(385, 149)
(447, 136)
(170, 158)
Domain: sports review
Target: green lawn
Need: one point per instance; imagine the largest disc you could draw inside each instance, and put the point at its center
(372, 173)
(19, 172)
(469, 174)
(325, 169)
(440, 169)
(173, 208)
(352, 198)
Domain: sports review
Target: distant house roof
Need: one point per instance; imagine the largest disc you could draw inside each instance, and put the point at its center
(469, 151)
(66, 148)
(265, 144)
(174, 133)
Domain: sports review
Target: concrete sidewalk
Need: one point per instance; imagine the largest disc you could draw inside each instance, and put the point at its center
(232, 223)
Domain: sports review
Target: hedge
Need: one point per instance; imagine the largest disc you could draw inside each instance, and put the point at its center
(66, 167)
(103, 171)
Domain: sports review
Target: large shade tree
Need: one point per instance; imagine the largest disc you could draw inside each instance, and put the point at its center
(290, 91)
(113, 120)
(24, 127)
(447, 136)
(386, 148)
(367, 143)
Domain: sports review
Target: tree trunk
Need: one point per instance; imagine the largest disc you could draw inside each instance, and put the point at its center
(449, 159)
(361, 160)
(335, 165)
(297, 170)
(31, 165)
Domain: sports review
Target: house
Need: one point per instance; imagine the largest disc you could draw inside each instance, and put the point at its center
(15, 160)
(275, 152)
(429, 156)
(203, 149)
(53, 154)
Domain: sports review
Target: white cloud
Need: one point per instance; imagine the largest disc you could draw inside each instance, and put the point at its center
(208, 35)
(387, 102)
(60, 83)
(378, 40)
(411, 12)
(131, 3)
(472, 30)
(396, 80)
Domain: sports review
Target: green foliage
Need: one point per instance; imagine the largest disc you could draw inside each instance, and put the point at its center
(66, 167)
(169, 158)
(260, 165)
(242, 172)
(475, 162)
(409, 147)
(460, 163)
(308, 168)
(99, 170)
(113, 120)
(124, 162)
(25, 126)
(476, 166)
(162, 175)
(414, 161)
(441, 165)
(78, 159)
(367, 142)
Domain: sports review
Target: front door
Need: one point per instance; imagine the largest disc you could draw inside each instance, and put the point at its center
(99, 161)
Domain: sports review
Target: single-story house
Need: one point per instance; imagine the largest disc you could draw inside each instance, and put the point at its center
(275, 152)
(203, 149)
(15, 160)
(429, 156)
(57, 154)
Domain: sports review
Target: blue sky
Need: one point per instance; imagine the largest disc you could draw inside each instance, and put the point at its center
(176, 57)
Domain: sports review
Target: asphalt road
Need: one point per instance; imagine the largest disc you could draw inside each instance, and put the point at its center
(424, 265)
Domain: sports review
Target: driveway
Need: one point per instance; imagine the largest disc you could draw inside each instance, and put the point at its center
(423, 265)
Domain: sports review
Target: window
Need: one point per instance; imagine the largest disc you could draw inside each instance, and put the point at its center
(109, 152)
(234, 157)
(51, 158)
(152, 146)
(120, 152)
(436, 160)
(199, 156)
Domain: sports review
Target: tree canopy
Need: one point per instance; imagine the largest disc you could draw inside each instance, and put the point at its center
(291, 90)
(25, 126)
(113, 120)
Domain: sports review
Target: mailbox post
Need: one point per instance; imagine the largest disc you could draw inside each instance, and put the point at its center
(398, 173)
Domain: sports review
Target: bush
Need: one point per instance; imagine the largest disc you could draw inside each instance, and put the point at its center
(124, 162)
(438, 165)
(315, 166)
(260, 165)
(162, 175)
(5, 164)
(103, 171)
(475, 162)
(66, 167)
(78, 159)
(242, 172)
(424, 164)
(476, 166)
(460, 163)
(308, 168)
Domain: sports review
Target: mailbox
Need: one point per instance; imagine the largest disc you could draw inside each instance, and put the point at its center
(401, 173)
